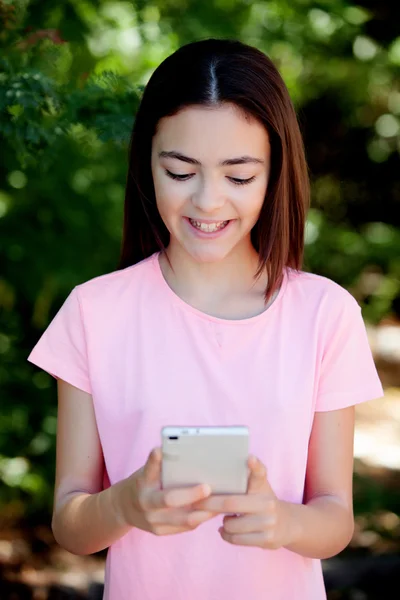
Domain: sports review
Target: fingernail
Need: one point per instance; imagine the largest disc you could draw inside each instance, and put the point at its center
(206, 489)
(156, 453)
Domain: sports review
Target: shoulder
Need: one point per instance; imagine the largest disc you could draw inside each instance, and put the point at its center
(115, 287)
(319, 294)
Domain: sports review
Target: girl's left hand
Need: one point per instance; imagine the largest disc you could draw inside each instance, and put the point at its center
(261, 518)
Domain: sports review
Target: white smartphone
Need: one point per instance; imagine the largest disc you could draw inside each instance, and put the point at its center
(213, 455)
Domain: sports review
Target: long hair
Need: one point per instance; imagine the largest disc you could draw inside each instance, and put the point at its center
(211, 72)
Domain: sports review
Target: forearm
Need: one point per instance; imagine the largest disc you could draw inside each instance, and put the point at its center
(321, 528)
(87, 523)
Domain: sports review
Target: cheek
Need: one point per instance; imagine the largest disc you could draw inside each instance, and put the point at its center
(169, 199)
(249, 206)
(259, 197)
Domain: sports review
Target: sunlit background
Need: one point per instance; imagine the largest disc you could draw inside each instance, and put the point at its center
(71, 76)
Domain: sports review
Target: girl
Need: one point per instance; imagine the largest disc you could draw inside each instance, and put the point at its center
(209, 320)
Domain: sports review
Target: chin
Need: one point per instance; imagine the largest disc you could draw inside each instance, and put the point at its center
(207, 255)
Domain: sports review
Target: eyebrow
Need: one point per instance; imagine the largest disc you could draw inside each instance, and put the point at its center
(240, 160)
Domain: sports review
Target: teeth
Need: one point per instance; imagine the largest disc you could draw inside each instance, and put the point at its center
(209, 227)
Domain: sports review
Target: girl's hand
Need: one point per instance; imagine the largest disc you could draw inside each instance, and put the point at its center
(162, 512)
(258, 518)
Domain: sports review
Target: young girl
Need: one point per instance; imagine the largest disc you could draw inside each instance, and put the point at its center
(209, 320)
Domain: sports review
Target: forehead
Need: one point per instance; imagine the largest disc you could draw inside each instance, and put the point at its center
(212, 134)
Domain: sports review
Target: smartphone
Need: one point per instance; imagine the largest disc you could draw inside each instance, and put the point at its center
(213, 455)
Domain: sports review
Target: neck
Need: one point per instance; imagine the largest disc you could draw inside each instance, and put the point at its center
(234, 274)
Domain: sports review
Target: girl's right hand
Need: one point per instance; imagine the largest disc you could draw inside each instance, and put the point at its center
(162, 512)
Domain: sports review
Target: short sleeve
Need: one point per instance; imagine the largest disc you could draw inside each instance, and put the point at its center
(61, 350)
(348, 373)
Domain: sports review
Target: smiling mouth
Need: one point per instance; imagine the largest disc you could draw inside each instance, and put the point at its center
(209, 227)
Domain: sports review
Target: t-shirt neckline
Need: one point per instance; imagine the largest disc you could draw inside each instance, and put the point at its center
(177, 300)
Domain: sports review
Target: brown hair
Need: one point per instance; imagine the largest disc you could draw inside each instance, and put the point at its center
(211, 72)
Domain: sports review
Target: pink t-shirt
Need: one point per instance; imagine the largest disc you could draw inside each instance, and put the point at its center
(149, 359)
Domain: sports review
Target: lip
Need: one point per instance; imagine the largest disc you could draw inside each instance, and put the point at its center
(208, 221)
(208, 235)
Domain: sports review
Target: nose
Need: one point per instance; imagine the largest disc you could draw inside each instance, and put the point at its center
(208, 197)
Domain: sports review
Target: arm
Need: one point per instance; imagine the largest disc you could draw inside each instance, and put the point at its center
(85, 519)
(320, 527)
(323, 526)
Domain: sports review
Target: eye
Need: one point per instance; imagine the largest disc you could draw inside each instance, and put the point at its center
(237, 181)
(178, 177)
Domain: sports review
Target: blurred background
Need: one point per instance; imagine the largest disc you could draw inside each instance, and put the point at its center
(71, 75)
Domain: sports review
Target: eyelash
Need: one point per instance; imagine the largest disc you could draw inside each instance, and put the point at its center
(187, 177)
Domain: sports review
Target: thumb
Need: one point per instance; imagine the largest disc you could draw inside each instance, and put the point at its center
(257, 481)
(152, 468)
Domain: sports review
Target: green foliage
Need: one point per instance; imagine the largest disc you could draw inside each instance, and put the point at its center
(35, 111)
(71, 75)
